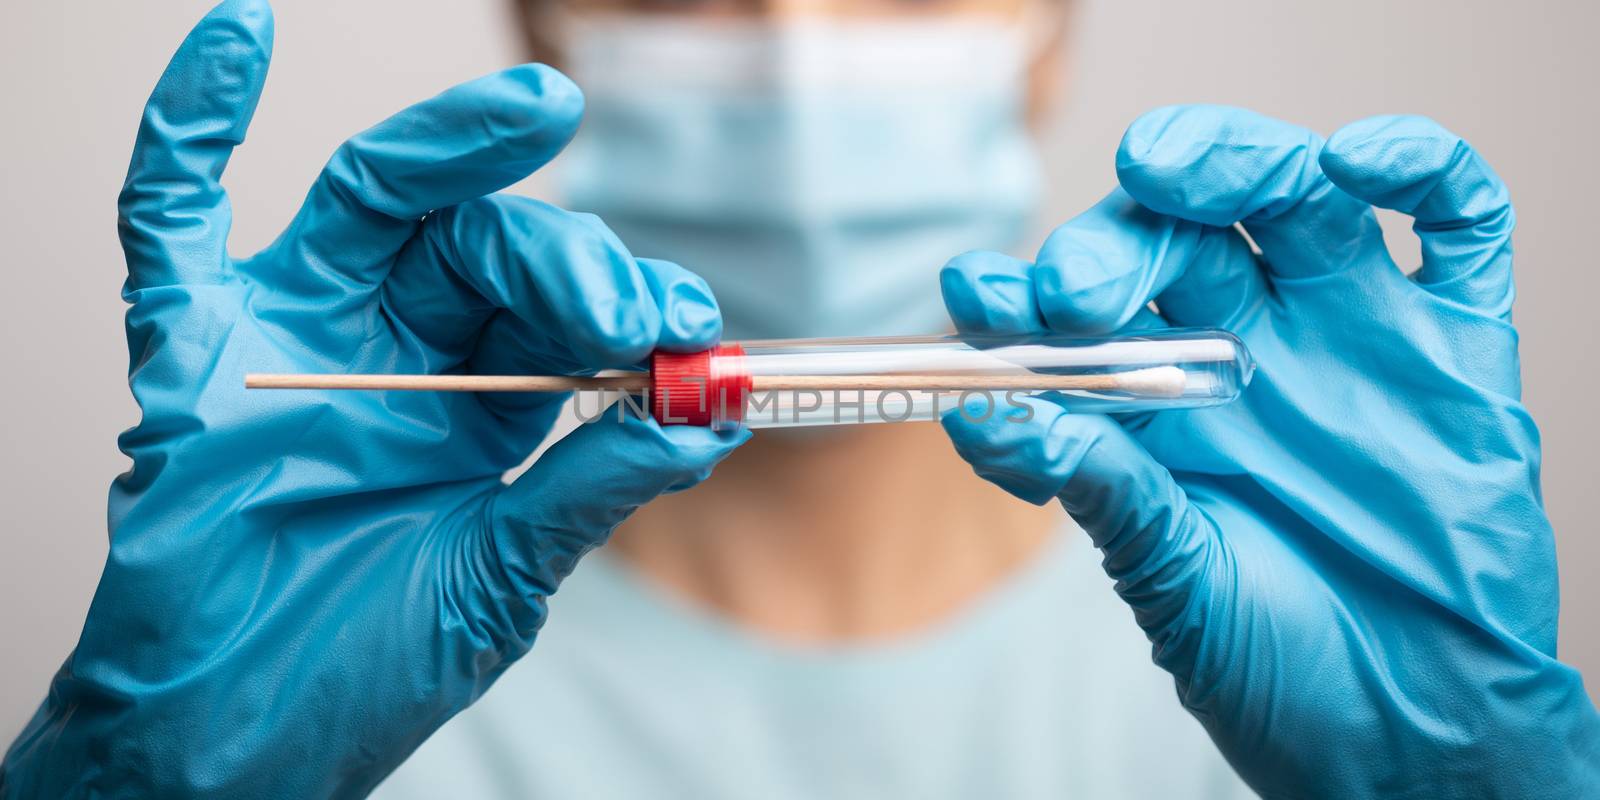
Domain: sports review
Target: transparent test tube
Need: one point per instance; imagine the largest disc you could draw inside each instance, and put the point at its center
(807, 382)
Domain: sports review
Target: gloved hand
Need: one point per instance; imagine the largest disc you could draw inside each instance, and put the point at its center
(1349, 572)
(301, 587)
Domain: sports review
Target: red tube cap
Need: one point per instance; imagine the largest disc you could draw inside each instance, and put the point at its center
(707, 389)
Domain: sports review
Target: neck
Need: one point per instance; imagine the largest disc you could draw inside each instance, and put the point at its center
(853, 533)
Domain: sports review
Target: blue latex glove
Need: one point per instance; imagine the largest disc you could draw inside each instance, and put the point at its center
(301, 586)
(1349, 572)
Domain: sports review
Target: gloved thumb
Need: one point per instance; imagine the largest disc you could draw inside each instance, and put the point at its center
(1157, 546)
(587, 484)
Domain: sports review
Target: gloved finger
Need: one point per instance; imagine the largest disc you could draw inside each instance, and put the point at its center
(1462, 209)
(470, 141)
(1218, 166)
(573, 297)
(587, 484)
(1098, 272)
(991, 293)
(509, 344)
(173, 215)
(1155, 544)
(690, 319)
(1223, 282)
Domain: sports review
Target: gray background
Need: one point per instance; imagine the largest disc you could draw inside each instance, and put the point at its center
(1517, 79)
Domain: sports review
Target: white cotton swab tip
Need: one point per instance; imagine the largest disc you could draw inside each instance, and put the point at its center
(1154, 382)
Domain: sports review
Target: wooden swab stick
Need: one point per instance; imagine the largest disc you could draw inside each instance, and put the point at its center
(452, 383)
(1154, 381)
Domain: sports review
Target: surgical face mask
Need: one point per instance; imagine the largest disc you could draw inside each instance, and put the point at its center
(817, 173)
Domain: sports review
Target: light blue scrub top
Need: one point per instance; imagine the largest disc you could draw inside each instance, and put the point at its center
(1043, 688)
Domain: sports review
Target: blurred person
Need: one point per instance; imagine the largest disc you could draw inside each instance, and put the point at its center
(842, 612)
(1352, 589)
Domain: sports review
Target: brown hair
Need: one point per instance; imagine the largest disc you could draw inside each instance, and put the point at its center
(543, 46)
